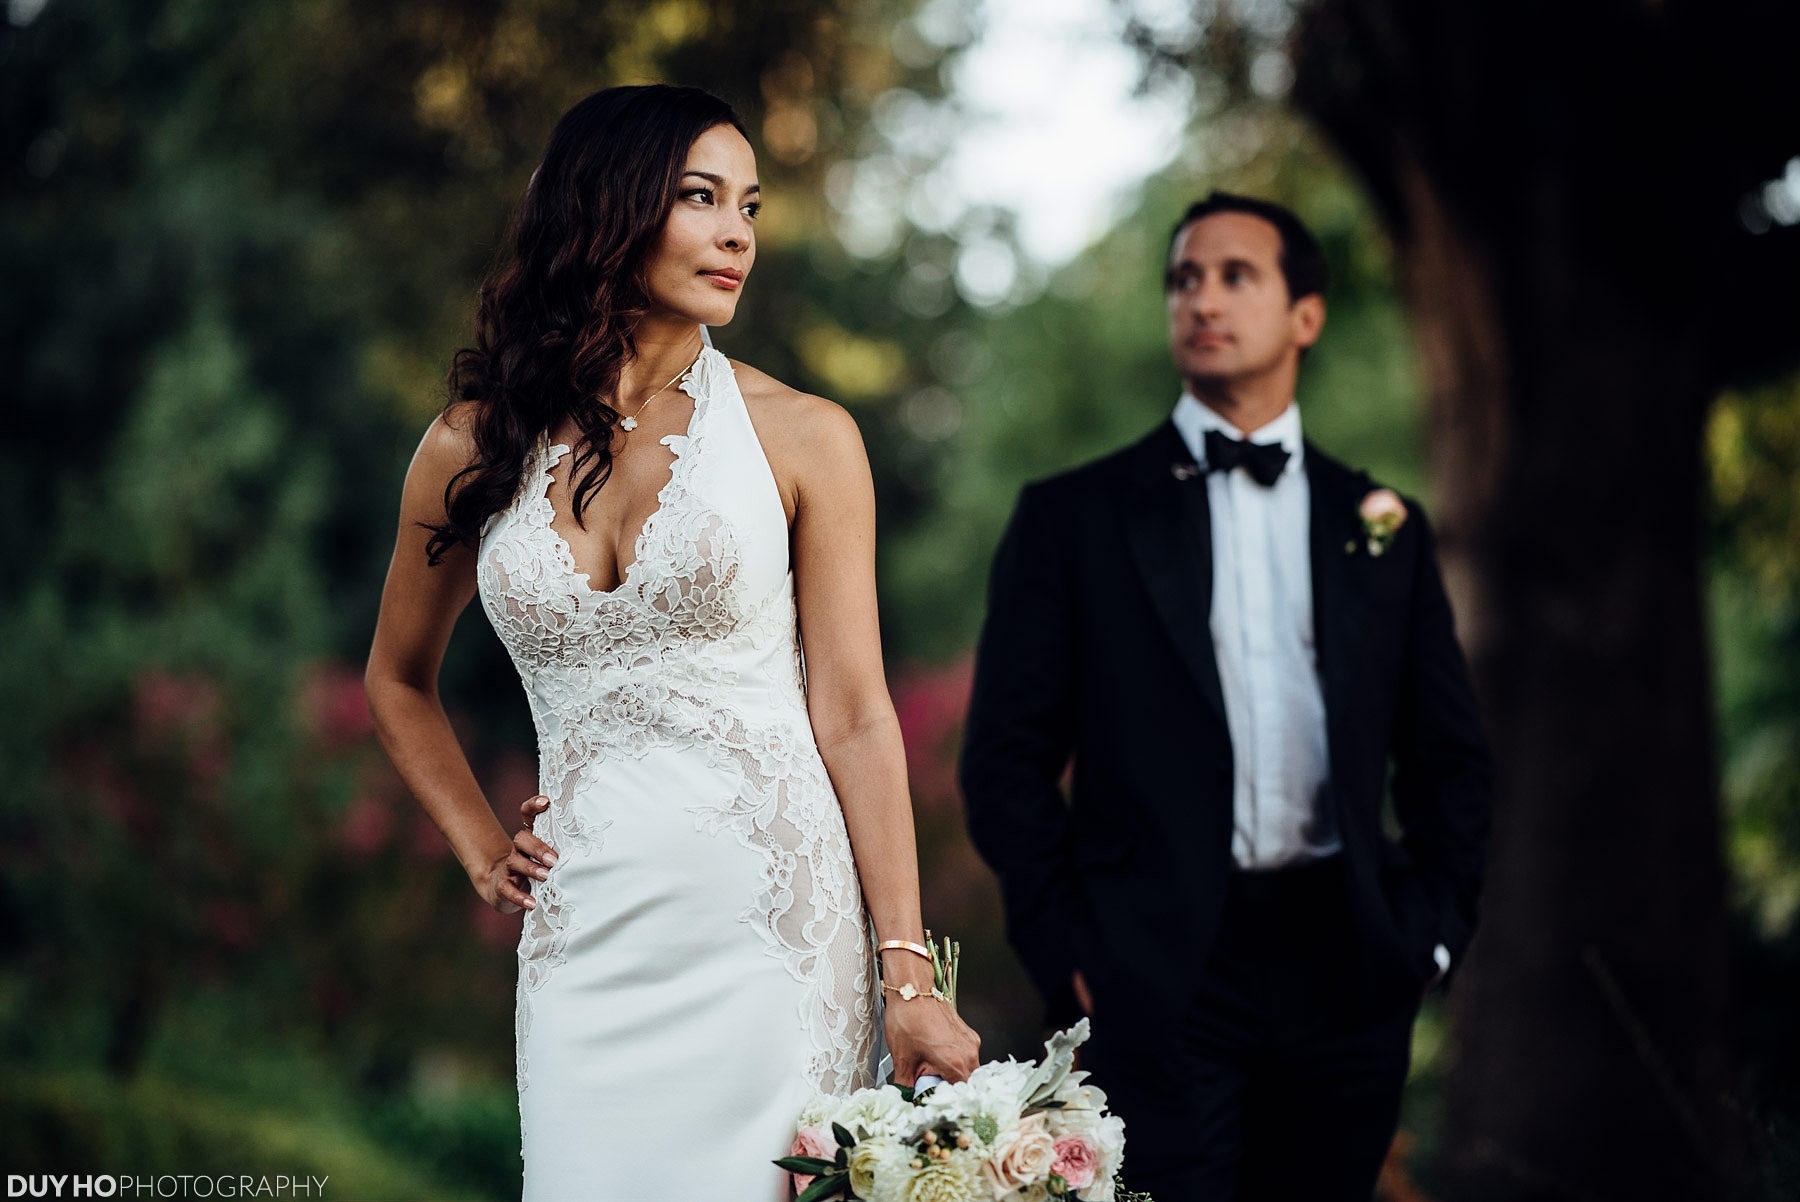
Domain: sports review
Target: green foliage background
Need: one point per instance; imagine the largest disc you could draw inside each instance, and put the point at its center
(240, 244)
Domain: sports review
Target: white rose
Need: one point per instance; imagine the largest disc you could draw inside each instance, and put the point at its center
(1080, 1114)
(1021, 1157)
(1073, 1121)
(817, 1112)
(874, 1164)
(1109, 1138)
(884, 1172)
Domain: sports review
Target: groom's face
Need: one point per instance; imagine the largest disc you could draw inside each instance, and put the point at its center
(1230, 318)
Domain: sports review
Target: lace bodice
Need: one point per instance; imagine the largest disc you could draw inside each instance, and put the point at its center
(696, 650)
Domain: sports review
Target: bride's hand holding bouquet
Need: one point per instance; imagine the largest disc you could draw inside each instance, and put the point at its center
(1011, 1132)
(1000, 1132)
(925, 1035)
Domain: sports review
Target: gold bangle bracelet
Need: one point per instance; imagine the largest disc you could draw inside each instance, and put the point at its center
(903, 945)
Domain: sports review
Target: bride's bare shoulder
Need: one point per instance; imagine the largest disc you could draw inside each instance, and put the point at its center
(798, 422)
(813, 445)
(445, 449)
(449, 441)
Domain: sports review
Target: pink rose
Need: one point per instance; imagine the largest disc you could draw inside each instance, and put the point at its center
(1076, 1160)
(812, 1141)
(1383, 513)
(1383, 506)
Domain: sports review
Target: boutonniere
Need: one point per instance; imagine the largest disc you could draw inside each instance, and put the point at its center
(1382, 513)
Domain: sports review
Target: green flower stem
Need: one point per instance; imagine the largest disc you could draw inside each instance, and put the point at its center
(945, 964)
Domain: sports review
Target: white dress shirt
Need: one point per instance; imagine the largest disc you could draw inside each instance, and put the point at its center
(1262, 635)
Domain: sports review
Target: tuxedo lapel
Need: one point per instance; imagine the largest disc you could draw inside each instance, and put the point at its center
(1338, 577)
(1170, 532)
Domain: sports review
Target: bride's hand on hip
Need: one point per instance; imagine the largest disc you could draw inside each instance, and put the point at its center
(927, 1037)
(506, 883)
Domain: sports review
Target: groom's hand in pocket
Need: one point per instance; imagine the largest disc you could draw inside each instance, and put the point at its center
(1083, 998)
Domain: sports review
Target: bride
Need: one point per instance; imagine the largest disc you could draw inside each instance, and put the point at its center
(657, 532)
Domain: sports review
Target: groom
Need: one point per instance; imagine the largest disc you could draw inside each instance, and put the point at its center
(1241, 645)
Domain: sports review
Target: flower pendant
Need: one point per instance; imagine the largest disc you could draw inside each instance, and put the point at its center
(628, 424)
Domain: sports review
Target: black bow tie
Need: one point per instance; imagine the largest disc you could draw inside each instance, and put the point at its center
(1263, 460)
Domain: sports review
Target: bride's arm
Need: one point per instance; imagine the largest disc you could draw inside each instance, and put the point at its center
(854, 723)
(419, 608)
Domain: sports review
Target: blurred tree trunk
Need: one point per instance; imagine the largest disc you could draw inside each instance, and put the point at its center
(1565, 185)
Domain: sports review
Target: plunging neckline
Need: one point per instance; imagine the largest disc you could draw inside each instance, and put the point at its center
(678, 444)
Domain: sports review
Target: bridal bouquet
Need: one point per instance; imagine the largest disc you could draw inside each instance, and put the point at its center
(1011, 1133)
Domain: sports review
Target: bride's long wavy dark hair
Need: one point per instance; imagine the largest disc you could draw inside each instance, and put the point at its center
(557, 313)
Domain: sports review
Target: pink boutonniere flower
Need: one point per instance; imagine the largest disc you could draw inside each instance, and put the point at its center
(1382, 513)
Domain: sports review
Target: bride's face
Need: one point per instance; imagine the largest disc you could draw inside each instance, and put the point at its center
(700, 262)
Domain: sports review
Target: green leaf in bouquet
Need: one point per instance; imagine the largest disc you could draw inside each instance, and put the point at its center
(1058, 1186)
(830, 1185)
(808, 1166)
(1059, 1060)
(985, 1128)
(844, 1138)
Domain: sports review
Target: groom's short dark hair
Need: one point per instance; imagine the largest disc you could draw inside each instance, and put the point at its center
(1302, 258)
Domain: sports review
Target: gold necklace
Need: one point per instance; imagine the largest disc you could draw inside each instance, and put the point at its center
(629, 424)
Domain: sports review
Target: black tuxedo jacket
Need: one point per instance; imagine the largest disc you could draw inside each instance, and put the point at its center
(1097, 651)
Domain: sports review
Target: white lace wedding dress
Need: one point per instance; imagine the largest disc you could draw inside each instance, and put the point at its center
(699, 960)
